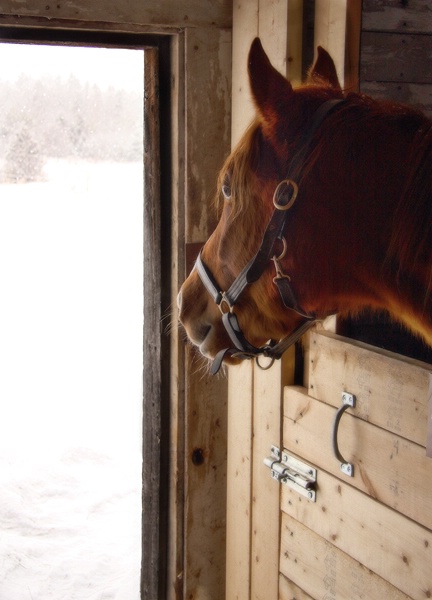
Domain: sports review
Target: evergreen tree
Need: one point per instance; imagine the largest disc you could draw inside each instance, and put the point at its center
(24, 162)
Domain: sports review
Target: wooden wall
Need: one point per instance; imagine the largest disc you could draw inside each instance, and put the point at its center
(396, 51)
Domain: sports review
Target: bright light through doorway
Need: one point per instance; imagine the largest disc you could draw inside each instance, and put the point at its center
(71, 306)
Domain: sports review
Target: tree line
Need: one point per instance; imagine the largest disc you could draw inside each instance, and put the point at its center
(56, 118)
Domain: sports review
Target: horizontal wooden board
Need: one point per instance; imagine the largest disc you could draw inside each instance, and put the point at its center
(289, 591)
(325, 571)
(386, 466)
(390, 391)
(393, 15)
(384, 541)
(418, 95)
(395, 57)
(163, 13)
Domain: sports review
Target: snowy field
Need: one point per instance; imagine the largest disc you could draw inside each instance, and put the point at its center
(70, 383)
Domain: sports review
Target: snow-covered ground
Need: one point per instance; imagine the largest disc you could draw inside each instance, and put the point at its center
(70, 383)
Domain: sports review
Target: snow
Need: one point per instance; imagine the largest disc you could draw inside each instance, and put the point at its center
(70, 383)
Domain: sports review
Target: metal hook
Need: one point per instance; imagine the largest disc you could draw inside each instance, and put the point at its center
(279, 273)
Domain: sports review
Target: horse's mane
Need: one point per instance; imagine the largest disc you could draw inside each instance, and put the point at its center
(412, 223)
(410, 244)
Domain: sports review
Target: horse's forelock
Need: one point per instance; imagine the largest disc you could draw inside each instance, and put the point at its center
(240, 167)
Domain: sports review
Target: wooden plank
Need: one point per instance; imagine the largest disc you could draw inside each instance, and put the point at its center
(294, 69)
(239, 478)
(152, 421)
(384, 541)
(245, 29)
(273, 31)
(240, 389)
(391, 390)
(266, 493)
(205, 485)
(330, 31)
(326, 571)
(352, 44)
(418, 95)
(386, 467)
(165, 12)
(290, 591)
(393, 15)
(268, 19)
(207, 91)
(395, 57)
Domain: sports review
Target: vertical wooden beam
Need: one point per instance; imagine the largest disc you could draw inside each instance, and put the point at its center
(266, 515)
(152, 342)
(177, 377)
(254, 399)
(245, 29)
(352, 47)
(330, 31)
(240, 389)
(239, 478)
(295, 42)
(208, 92)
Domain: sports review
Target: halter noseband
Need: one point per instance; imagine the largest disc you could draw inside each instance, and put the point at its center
(283, 199)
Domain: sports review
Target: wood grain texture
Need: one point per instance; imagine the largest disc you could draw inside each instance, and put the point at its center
(391, 391)
(324, 570)
(290, 591)
(386, 467)
(414, 16)
(384, 541)
(207, 85)
(239, 477)
(152, 343)
(418, 95)
(165, 13)
(394, 57)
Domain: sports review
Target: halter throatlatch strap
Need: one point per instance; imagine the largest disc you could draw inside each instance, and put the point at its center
(283, 199)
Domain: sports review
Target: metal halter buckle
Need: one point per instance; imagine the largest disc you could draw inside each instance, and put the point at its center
(279, 193)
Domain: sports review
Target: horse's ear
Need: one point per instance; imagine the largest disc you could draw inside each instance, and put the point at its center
(270, 89)
(324, 70)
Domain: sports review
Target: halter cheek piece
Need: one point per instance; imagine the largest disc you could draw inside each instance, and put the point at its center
(283, 199)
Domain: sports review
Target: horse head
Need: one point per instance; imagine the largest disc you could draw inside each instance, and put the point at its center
(246, 202)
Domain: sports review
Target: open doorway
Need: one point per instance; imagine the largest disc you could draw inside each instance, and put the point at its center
(71, 321)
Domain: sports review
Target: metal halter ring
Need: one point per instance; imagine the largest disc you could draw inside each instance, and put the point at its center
(277, 193)
(265, 367)
(224, 304)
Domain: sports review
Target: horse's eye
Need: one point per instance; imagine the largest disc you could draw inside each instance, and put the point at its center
(226, 187)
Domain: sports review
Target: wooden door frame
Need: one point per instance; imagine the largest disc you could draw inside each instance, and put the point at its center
(186, 556)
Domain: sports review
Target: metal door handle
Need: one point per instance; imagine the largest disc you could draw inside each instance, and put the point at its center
(348, 401)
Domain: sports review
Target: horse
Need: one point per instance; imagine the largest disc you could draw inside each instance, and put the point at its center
(324, 208)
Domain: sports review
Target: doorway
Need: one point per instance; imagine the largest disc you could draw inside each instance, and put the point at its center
(71, 321)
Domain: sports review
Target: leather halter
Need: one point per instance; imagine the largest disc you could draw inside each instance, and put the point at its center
(283, 199)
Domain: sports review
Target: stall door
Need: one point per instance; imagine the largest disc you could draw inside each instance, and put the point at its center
(354, 527)
(368, 531)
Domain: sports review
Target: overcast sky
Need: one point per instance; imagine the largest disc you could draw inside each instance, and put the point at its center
(104, 66)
